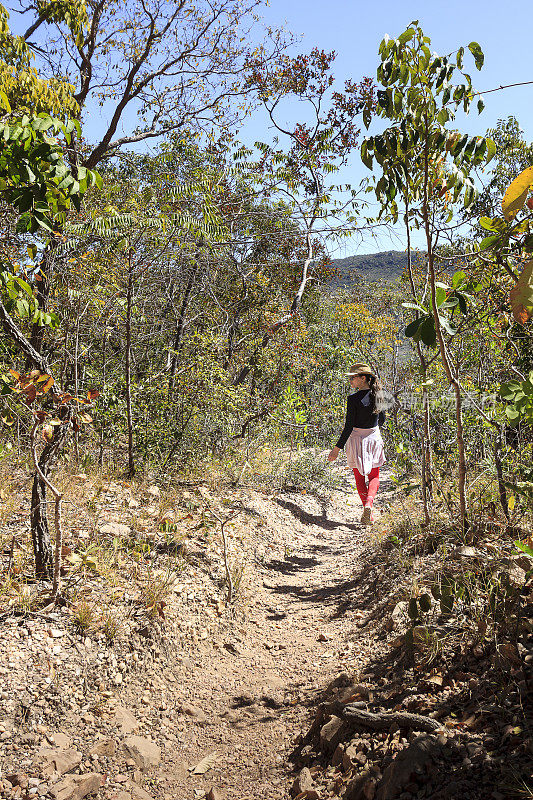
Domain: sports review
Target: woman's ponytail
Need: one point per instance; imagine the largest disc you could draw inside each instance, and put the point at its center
(375, 389)
(382, 400)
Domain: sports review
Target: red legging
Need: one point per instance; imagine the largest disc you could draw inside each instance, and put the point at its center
(367, 493)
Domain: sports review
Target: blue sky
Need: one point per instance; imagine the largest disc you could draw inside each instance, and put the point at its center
(355, 29)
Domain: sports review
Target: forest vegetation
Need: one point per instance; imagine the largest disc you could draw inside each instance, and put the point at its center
(170, 302)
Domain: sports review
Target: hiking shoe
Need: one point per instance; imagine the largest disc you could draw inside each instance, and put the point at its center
(368, 517)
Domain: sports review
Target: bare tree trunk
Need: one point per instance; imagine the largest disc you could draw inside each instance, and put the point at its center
(178, 338)
(499, 472)
(56, 586)
(253, 360)
(104, 370)
(427, 488)
(76, 377)
(42, 289)
(42, 547)
(129, 304)
(453, 379)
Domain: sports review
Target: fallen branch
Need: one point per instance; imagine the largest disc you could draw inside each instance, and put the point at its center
(384, 720)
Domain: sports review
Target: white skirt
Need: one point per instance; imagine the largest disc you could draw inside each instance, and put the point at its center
(364, 450)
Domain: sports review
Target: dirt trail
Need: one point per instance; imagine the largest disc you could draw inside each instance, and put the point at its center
(296, 629)
(236, 684)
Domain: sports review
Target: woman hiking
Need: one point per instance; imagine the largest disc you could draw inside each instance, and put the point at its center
(361, 435)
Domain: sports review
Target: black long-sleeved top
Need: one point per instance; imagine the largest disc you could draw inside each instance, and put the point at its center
(359, 414)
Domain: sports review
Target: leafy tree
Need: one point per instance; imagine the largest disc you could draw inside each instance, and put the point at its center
(172, 66)
(426, 167)
(513, 155)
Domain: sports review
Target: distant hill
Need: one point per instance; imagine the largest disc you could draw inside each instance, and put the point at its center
(385, 266)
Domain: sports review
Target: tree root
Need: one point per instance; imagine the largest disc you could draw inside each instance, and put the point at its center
(384, 720)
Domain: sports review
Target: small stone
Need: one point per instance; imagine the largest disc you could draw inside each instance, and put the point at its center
(76, 787)
(337, 755)
(60, 740)
(137, 792)
(213, 794)
(115, 529)
(193, 711)
(144, 752)
(331, 733)
(18, 779)
(303, 783)
(60, 761)
(467, 552)
(105, 747)
(125, 720)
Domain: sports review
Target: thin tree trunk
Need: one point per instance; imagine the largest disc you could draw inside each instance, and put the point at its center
(42, 547)
(76, 378)
(56, 585)
(129, 304)
(453, 379)
(427, 489)
(104, 370)
(254, 358)
(499, 472)
(178, 338)
(42, 292)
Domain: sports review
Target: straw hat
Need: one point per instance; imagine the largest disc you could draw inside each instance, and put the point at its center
(360, 369)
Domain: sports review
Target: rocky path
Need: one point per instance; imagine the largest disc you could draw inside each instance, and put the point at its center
(193, 698)
(167, 713)
(252, 692)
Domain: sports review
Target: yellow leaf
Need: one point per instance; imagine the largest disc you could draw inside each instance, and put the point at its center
(516, 194)
(521, 295)
(511, 504)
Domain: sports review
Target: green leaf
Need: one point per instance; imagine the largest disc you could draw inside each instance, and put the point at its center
(4, 102)
(446, 324)
(43, 221)
(489, 241)
(462, 303)
(525, 548)
(412, 609)
(440, 295)
(458, 278)
(365, 157)
(427, 332)
(477, 52)
(487, 223)
(425, 602)
(491, 150)
(406, 36)
(24, 285)
(412, 328)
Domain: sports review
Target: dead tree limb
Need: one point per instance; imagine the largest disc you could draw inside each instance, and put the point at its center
(384, 720)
